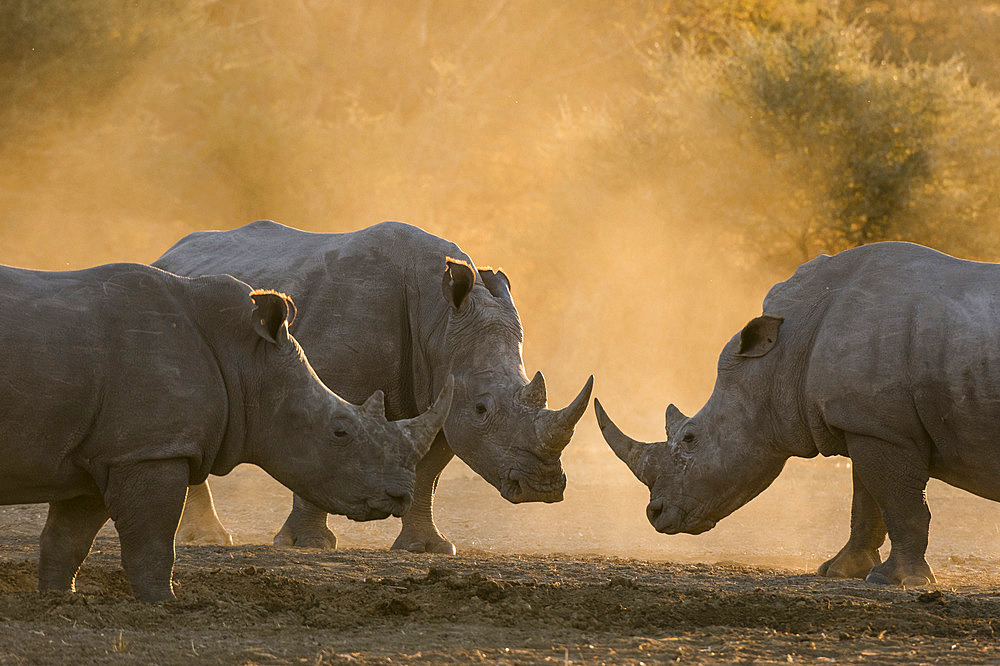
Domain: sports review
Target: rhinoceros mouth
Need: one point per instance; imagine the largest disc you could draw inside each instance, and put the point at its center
(368, 513)
(519, 487)
(378, 509)
(696, 527)
(391, 506)
(675, 520)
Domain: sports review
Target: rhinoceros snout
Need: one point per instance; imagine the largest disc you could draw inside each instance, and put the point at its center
(663, 521)
(397, 500)
(517, 489)
(674, 520)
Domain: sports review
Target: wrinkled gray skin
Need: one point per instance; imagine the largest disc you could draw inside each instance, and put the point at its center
(123, 384)
(888, 353)
(394, 307)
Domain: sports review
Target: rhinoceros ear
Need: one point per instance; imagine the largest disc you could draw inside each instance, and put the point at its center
(496, 281)
(270, 315)
(759, 336)
(459, 278)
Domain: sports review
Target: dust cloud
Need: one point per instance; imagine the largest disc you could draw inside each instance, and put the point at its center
(496, 125)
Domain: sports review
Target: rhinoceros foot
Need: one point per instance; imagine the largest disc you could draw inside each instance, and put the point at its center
(306, 527)
(211, 531)
(199, 522)
(321, 538)
(896, 573)
(850, 563)
(423, 543)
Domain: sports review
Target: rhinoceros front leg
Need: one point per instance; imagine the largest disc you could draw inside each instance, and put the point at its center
(860, 553)
(305, 527)
(145, 500)
(419, 534)
(199, 522)
(69, 533)
(896, 476)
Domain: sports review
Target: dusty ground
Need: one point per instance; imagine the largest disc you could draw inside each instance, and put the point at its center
(585, 581)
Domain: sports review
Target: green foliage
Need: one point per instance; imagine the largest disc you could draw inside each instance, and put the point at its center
(878, 139)
(806, 144)
(863, 130)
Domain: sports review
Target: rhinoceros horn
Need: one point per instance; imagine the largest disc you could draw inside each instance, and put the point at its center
(374, 406)
(421, 430)
(555, 427)
(674, 420)
(532, 394)
(633, 453)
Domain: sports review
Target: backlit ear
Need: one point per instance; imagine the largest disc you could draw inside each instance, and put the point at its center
(496, 281)
(270, 315)
(759, 336)
(459, 278)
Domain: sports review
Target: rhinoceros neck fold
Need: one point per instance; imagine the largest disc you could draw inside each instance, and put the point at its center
(228, 343)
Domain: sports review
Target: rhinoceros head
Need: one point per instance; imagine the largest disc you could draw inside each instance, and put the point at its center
(719, 459)
(347, 459)
(499, 422)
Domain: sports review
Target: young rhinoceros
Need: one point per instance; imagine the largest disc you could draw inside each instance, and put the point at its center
(123, 384)
(889, 354)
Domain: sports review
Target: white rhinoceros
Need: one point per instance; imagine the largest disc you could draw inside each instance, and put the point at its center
(123, 384)
(393, 307)
(888, 353)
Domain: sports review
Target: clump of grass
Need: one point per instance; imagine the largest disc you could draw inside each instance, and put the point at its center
(119, 644)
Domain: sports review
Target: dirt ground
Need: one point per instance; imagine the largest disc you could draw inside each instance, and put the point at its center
(583, 581)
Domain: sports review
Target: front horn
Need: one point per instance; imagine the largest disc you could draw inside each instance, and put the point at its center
(633, 453)
(555, 428)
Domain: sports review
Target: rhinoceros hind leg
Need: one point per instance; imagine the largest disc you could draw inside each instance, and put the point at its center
(200, 523)
(306, 527)
(418, 533)
(145, 500)
(896, 476)
(69, 533)
(860, 553)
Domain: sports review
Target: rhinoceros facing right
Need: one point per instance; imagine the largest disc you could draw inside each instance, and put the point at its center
(396, 308)
(888, 353)
(122, 384)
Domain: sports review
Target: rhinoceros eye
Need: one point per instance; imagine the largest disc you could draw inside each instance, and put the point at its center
(688, 437)
(484, 405)
(341, 431)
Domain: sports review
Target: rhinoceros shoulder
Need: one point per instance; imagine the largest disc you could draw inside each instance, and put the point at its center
(866, 267)
(411, 241)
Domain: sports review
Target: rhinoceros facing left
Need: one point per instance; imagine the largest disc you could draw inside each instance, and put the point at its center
(122, 384)
(889, 354)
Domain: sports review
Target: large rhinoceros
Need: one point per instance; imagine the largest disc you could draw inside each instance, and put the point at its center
(888, 353)
(394, 307)
(123, 384)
